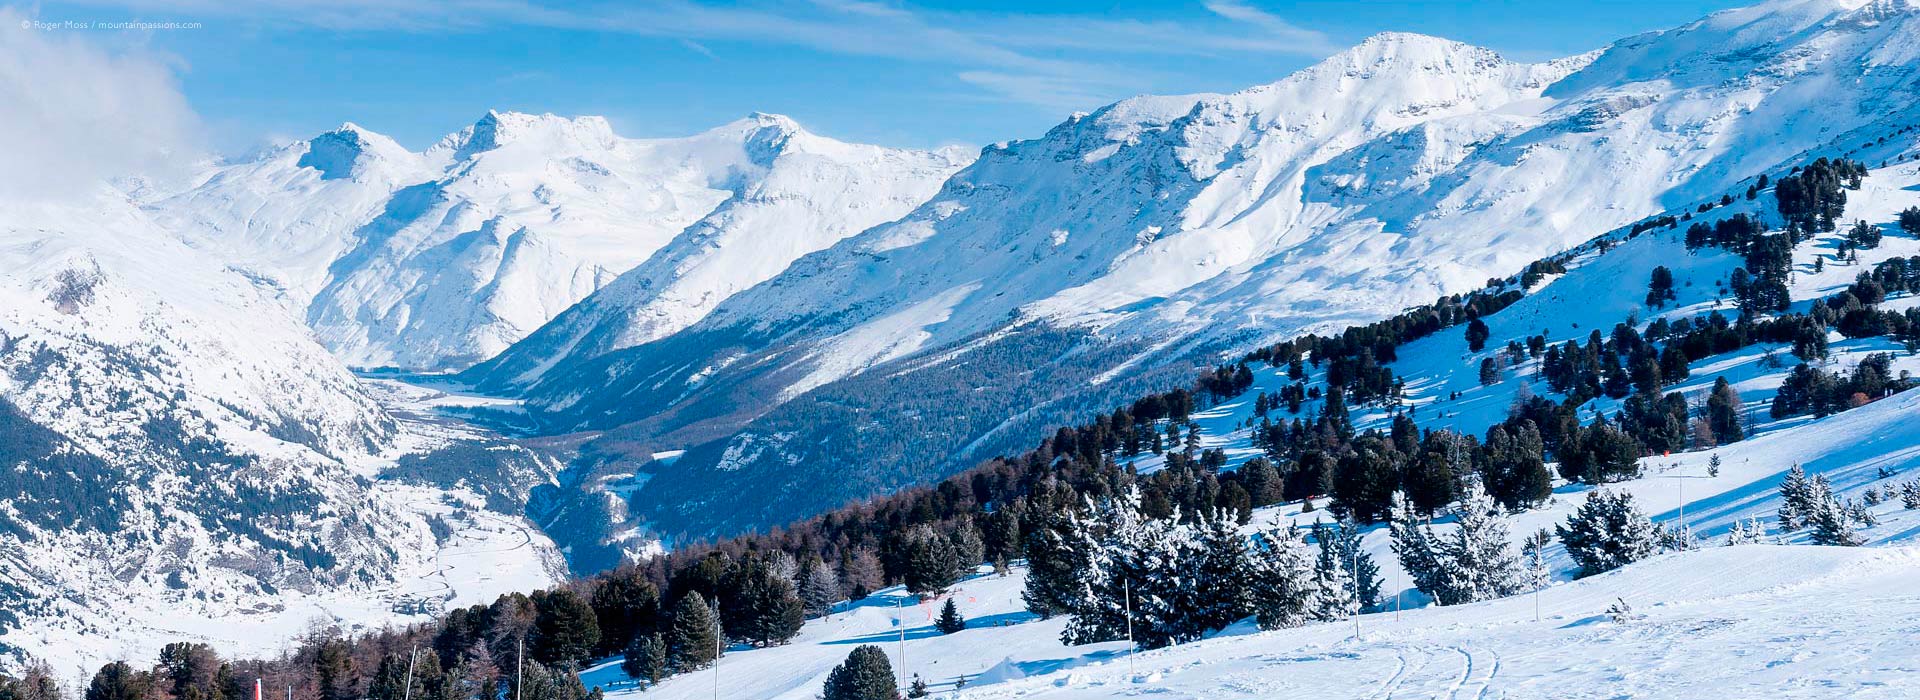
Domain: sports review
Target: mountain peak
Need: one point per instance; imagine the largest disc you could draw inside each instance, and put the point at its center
(500, 128)
(337, 153)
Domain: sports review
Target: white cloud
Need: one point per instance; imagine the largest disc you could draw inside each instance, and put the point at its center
(75, 115)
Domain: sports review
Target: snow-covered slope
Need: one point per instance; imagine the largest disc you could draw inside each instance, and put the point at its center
(1770, 620)
(1750, 621)
(182, 459)
(1163, 229)
(803, 194)
(441, 259)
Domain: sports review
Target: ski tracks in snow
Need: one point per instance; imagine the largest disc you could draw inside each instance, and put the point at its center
(1454, 672)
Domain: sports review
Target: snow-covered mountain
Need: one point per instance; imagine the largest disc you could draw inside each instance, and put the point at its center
(1158, 231)
(443, 258)
(182, 459)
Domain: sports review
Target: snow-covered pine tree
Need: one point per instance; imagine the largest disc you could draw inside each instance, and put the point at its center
(1363, 575)
(1678, 538)
(1749, 531)
(1607, 532)
(1224, 570)
(1533, 553)
(1333, 594)
(1058, 547)
(1910, 495)
(1831, 523)
(1280, 584)
(819, 588)
(1795, 499)
(1483, 563)
(1093, 616)
(1415, 547)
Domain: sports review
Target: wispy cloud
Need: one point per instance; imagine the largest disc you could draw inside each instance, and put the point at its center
(80, 115)
(1053, 60)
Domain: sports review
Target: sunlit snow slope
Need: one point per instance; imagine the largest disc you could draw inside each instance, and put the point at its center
(443, 258)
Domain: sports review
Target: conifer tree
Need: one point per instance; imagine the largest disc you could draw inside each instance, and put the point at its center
(646, 659)
(625, 605)
(931, 562)
(693, 636)
(1477, 334)
(1280, 580)
(1058, 549)
(1472, 562)
(819, 588)
(1483, 564)
(764, 609)
(865, 675)
(1607, 532)
(1796, 499)
(1723, 413)
(1830, 523)
(566, 632)
(118, 681)
(1221, 574)
(1340, 545)
(950, 620)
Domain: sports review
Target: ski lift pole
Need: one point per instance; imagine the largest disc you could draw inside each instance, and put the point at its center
(1126, 595)
(1356, 588)
(413, 655)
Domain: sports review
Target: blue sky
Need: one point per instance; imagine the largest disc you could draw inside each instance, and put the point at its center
(896, 73)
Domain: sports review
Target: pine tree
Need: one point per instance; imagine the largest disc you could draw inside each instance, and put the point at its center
(626, 605)
(1749, 531)
(1472, 562)
(693, 636)
(1796, 499)
(1830, 522)
(566, 632)
(819, 588)
(539, 682)
(118, 681)
(931, 562)
(865, 675)
(1477, 334)
(1057, 549)
(950, 620)
(764, 609)
(1340, 544)
(1483, 564)
(646, 659)
(918, 688)
(333, 670)
(1221, 595)
(1910, 495)
(1607, 532)
(1723, 413)
(1280, 582)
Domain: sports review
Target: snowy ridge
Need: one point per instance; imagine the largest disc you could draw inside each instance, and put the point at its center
(441, 259)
